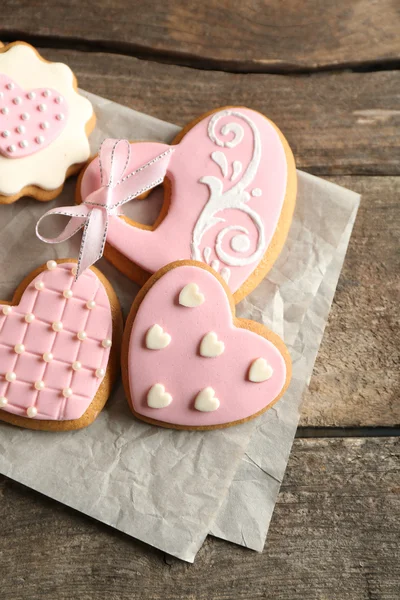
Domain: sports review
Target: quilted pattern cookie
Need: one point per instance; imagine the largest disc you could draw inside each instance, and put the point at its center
(44, 124)
(59, 348)
(189, 363)
(229, 194)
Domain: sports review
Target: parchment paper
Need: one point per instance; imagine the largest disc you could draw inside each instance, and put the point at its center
(170, 488)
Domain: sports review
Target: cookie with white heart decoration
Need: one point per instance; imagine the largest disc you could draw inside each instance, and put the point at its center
(59, 348)
(44, 124)
(216, 370)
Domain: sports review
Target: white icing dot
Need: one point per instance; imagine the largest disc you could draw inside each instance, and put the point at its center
(31, 411)
(74, 270)
(3, 401)
(19, 348)
(68, 294)
(12, 148)
(240, 243)
(67, 392)
(29, 317)
(20, 129)
(57, 326)
(1, 94)
(39, 285)
(4, 110)
(11, 376)
(46, 93)
(39, 385)
(7, 310)
(17, 100)
(23, 144)
(106, 343)
(58, 100)
(60, 117)
(100, 372)
(51, 265)
(10, 86)
(81, 335)
(47, 357)
(44, 125)
(77, 366)
(31, 95)
(42, 107)
(256, 192)
(39, 139)
(5, 133)
(90, 304)
(25, 116)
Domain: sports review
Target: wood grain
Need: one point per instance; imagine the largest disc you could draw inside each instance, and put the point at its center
(245, 36)
(356, 380)
(340, 123)
(334, 535)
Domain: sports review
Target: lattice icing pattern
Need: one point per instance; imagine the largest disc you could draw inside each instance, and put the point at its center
(55, 345)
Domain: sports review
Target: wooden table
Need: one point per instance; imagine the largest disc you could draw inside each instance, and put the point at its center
(327, 74)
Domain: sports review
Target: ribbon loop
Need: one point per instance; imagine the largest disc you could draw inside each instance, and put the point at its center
(118, 186)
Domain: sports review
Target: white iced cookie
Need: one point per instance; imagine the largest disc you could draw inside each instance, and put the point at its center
(44, 124)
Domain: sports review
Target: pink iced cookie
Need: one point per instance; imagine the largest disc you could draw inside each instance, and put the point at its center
(229, 202)
(189, 363)
(58, 344)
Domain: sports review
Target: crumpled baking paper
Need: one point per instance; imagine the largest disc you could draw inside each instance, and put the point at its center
(171, 488)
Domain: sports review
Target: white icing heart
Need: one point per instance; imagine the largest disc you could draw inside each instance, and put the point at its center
(260, 370)
(190, 296)
(158, 397)
(157, 338)
(206, 400)
(210, 346)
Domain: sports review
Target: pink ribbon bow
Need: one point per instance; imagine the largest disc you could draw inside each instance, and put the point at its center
(117, 188)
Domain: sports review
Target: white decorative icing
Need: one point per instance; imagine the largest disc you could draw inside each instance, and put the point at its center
(57, 326)
(3, 401)
(7, 310)
(206, 400)
(81, 335)
(240, 243)
(234, 198)
(207, 254)
(211, 346)
(76, 365)
(67, 392)
(90, 304)
(220, 159)
(260, 370)
(51, 265)
(39, 285)
(31, 411)
(158, 397)
(29, 317)
(236, 169)
(68, 294)
(256, 192)
(215, 265)
(19, 348)
(225, 274)
(191, 296)
(157, 338)
(39, 385)
(100, 373)
(106, 343)
(47, 357)
(11, 376)
(47, 167)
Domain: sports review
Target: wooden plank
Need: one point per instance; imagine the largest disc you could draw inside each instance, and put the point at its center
(336, 123)
(356, 379)
(334, 535)
(245, 36)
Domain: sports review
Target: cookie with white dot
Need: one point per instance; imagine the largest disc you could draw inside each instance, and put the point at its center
(44, 125)
(59, 348)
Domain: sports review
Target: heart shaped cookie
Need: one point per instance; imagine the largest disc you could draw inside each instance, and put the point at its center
(179, 386)
(59, 343)
(229, 194)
